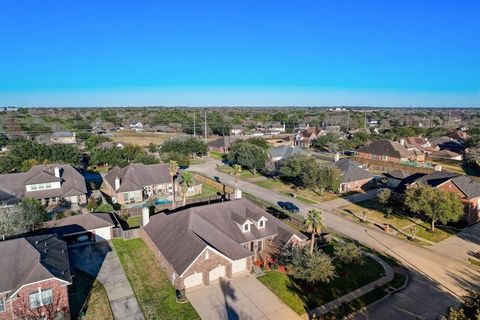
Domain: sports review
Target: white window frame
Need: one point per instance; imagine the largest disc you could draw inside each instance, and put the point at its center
(41, 300)
(3, 306)
(246, 227)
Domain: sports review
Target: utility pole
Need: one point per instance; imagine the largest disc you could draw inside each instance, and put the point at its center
(194, 131)
(365, 121)
(205, 126)
(348, 120)
(449, 111)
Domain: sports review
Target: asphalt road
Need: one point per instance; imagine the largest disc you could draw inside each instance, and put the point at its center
(437, 277)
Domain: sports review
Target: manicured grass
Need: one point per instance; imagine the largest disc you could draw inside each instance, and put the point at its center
(216, 155)
(142, 139)
(153, 289)
(363, 301)
(89, 292)
(302, 297)
(207, 191)
(398, 219)
(134, 221)
(304, 195)
(104, 207)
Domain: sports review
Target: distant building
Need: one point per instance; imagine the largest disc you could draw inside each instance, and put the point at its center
(222, 144)
(283, 152)
(63, 137)
(446, 155)
(354, 176)
(306, 137)
(389, 151)
(237, 130)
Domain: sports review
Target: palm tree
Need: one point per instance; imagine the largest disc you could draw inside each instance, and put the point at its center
(237, 170)
(314, 224)
(187, 182)
(173, 170)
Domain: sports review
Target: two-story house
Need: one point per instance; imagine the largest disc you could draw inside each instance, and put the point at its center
(34, 278)
(198, 245)
(49, 183)
(306, 137)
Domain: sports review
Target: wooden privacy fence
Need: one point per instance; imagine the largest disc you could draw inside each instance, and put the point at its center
(390, 166)
(215, 184)
(126, 234)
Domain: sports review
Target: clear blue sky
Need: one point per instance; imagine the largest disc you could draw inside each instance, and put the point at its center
(85, 52)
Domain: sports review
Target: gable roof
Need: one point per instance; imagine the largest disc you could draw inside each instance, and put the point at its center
(387, 148)
(79, 223)
(285, 151)
(223, 142)
(137, 175)
(351, 170)
(13, 185)
(467, 185)
(183, 235)
(41, 257)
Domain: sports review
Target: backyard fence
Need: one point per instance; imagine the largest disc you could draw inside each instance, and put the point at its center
(126, 234)
(215, 184)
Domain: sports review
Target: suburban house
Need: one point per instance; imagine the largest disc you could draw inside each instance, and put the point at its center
(63, 137)
(389, 151)
(34, 278)
(113, 144)
(222, 144)
(275, 128)
(306, 137)
(447, 143)
(237, 130)
(418, 143)
(459, 135)
(446, 155)
(354, 176)
(201, 244)
(50, 183)
(464, 186)
(137, 182)
(83, 228)
(393, 178)
(283, 152)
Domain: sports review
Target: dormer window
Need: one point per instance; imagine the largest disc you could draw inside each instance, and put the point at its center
(246, 227)
(261, 224)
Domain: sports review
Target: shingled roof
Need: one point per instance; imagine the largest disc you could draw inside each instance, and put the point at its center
(387, 148)
(183, 235)
(81, 222)
(137, 175)
(351, 170)
(32, 259)
(13, 185)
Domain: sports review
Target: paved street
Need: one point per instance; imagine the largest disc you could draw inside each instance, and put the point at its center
(243, 297)
(434, 272)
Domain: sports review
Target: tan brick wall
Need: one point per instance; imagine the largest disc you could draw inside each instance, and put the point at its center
(19, 307)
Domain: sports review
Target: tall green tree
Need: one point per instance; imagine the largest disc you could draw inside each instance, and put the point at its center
(314, 223)
(173, 170)
(187, 182)
(328, 179)
(249, 156)
(434, 203)
(25, 217)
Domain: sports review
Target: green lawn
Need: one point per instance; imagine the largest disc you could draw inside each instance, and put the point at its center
(304, 195)
(89, 292)
(216, 155)
(301, 297)
(153, 289)
(104, 207)
(207, 191)
(134, 221)
(399, 219)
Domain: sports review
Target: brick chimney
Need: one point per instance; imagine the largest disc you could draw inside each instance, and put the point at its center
(145, 216)
(57, 172)
(117, 183)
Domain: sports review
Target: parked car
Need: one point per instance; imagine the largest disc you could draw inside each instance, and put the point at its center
(288, 206)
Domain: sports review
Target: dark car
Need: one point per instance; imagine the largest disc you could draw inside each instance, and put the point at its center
(288, 206)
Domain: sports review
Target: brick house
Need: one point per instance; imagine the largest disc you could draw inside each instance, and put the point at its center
(49, 183)
(467, 189)
(198, 245)
(389, 151)
(34, 284)
(354, 176)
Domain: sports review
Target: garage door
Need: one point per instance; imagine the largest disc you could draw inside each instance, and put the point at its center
(193, 280)
(239, 265)
(217, 273)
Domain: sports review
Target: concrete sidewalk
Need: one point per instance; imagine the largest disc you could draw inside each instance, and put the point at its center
(389, 275)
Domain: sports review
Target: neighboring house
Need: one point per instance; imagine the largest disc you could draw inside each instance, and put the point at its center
(137, 182)
(257, 133)
(63, 137)
(49, 183)
(83, 228)
(459, 135)
(465, 187)
(114, 144)
(34, 278)
(222, 144)
(394, 178)
(306, 137)
(389, 151)
(109, 126)
(237, 130)
(275, 127)
(446, 155)
(354, 176)
(418, 143)
(447, 143)
(283, 152)
(198, 245)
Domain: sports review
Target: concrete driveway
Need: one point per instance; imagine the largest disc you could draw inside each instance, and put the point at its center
(101, 261)
(242, 297)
